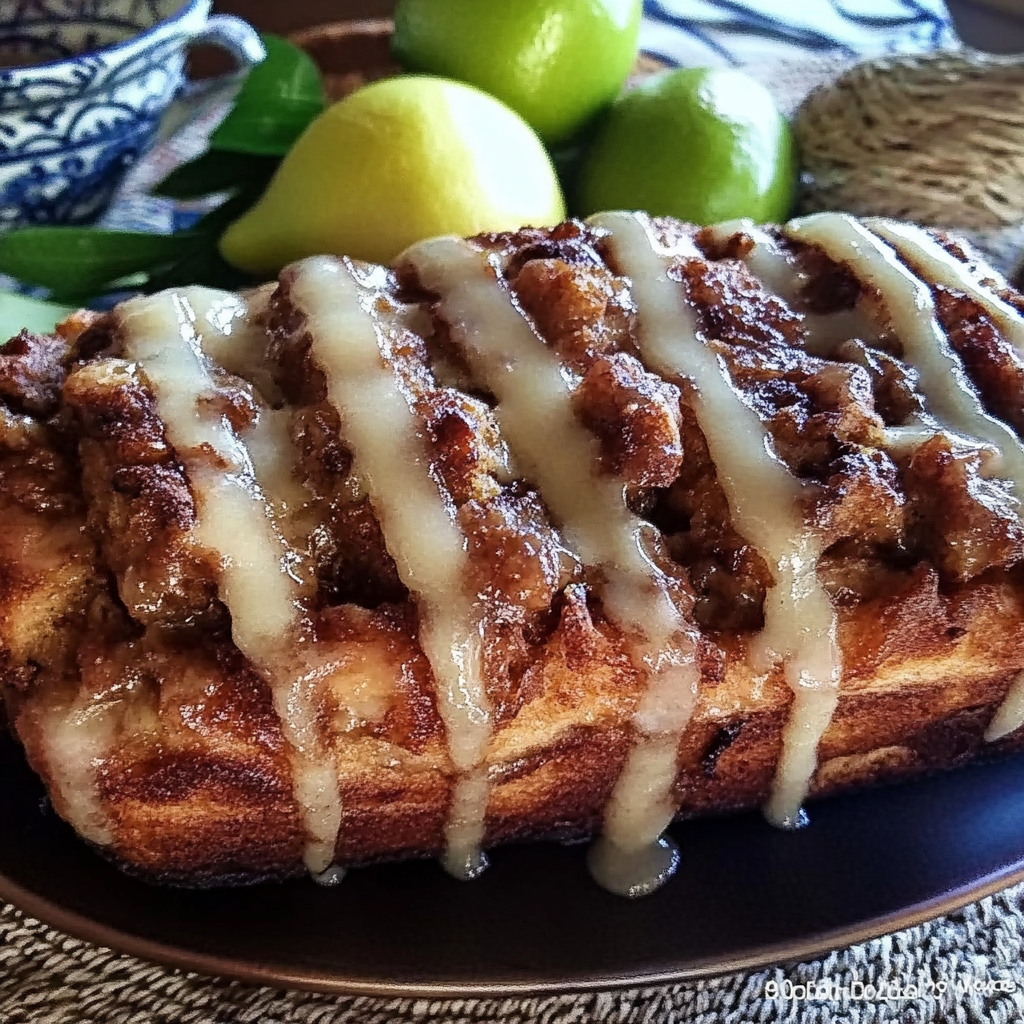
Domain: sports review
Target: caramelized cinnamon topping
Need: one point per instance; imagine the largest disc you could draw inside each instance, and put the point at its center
(615, 521)
(764, 497)
(536, 403)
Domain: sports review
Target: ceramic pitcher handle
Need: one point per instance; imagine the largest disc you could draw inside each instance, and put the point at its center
(236, 36)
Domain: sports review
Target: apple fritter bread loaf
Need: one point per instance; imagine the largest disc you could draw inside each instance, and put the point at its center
(552, 534)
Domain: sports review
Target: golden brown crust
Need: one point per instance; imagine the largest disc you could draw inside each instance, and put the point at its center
(111, 617)
(140, 506)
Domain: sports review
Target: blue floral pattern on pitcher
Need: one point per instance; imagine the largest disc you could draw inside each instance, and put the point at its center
(71, 128)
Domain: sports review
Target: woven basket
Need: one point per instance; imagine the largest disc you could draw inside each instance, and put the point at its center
(349, 53)
(936, 139)
(352, 53)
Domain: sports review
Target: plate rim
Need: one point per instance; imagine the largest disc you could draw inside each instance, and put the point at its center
(813, 947)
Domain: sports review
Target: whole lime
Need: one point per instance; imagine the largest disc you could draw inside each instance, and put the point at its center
(700, 144)
(395, 162)
(555, 62)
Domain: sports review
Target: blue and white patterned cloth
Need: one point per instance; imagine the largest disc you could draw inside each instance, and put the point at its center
(723, 32)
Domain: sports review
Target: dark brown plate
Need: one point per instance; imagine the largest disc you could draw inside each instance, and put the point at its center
(746, 895)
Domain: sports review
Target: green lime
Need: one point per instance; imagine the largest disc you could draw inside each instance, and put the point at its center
(395, 162)
(701, 144)
(555, 62)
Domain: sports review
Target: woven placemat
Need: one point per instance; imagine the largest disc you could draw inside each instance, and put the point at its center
(967, 967)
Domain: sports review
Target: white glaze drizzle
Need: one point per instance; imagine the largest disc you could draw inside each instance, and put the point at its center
(76, 742)
(235, 520)
(825, 332)
(948, 391)
(392, 460)
(773, 268)
(232, 335)
(765, 260)
(937, 266)
(274, 458)
(764, 499)
(950, 394)
(1009, 717)
(560, 456)
(333, 876)
(909, 436)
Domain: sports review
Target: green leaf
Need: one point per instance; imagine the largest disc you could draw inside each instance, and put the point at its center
(206, 265)
(278, 100)
(18, 312)
(80, 261)
(214, 222)
(217, 171)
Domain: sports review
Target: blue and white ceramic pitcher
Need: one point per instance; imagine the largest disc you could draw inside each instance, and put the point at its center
(83, 85)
